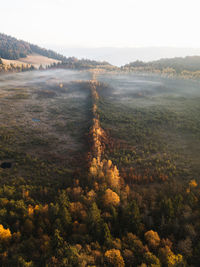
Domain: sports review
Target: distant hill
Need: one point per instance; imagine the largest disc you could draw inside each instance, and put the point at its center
(119, 56)
(179, 64)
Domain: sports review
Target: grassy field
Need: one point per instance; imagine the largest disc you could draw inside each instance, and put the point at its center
(44, 122)
(33, 59)
(154, 126)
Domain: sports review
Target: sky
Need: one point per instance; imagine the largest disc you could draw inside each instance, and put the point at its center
(103, 23)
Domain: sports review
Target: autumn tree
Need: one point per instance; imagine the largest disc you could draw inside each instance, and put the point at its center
(152, 239)
(114, 258)
(111, 198)
(151, 260)
(5, 234)
(168, 258)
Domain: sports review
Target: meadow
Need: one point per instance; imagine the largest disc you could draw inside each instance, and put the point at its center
(153, 124)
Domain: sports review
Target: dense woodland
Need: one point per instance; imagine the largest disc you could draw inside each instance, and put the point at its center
(11, 48)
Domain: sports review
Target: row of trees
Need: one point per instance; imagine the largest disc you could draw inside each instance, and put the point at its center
(15, 67)
(74, 63)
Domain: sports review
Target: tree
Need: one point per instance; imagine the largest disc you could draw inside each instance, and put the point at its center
(151, 260)
(95, 221)
(58, 243)
(107, 234)
(66, 219)
(168, 258)
(111, 198)
(185, 247)
(152, 238)
(28, 226)
(114, 258)
(192, 184)
(5, 234)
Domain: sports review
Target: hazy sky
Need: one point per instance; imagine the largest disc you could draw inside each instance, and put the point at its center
(96, 23)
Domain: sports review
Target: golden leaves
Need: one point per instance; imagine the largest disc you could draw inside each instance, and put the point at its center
(193, 184)
(5, 234)
(152, 238)
(104, 170)
(114, 258)
(111, 198)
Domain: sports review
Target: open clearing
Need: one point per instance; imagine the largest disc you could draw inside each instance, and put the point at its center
(33, 59)
(44, 118)
(154, 124)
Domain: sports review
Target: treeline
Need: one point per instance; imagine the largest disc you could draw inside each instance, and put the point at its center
(74, 63)
(11, 48)
(4, 68)
(188, 67)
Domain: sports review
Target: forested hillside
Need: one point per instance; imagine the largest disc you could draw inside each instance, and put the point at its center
(188, 67)
(11, 48)
(190, 63)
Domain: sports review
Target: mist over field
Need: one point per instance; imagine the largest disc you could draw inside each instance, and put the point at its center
(35, 77)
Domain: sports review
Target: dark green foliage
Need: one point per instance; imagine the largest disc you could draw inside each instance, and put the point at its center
(11, 48)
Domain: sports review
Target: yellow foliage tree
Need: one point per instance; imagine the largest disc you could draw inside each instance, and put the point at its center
(152, 238)
(114, 258)
(193, 184)
(30, 210)
(111, 198)
(113, 178)
(168, 258)
(5, 234)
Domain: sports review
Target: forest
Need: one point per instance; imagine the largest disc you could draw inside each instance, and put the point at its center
(12, 48)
